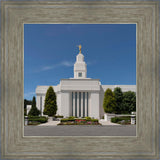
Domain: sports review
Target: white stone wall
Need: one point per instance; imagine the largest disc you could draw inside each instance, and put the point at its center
(94, 105)
(38, 102)
(80, 85)
(58, 103)
(65, 104)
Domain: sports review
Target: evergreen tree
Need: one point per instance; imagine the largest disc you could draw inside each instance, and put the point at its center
(50, 106)
(109, 102)
(119, 100)
(34, 111)
(129, 102)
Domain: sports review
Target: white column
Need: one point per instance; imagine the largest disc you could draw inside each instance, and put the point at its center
(77, 104)
(81, 104)
(89, 105)
(85, 104)
(65, 103)
(73, 103)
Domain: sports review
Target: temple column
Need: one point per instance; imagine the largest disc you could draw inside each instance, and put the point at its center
(77, 104)
(81, 104)
(73, 103)
(85, 104)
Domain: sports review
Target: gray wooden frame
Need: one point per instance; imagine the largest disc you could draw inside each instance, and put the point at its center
(14, 144)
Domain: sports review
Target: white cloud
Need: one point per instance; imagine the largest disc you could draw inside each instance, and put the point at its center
(61, 64)
(91, 63)
(46, 68)
(67, 64)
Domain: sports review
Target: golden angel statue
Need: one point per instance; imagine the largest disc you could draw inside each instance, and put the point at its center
(80, 48)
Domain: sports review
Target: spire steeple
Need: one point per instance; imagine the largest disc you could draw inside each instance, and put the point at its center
(80, 67)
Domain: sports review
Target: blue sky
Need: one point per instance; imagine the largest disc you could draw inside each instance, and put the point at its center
(50, 51)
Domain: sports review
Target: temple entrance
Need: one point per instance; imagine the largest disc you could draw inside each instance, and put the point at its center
(80, 103)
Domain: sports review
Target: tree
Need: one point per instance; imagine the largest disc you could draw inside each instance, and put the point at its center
(119, 100)
(109, 102)
(34, 111)
(129, 101)
(50, 106)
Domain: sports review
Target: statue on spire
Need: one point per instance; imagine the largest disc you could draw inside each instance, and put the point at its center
(80, 48)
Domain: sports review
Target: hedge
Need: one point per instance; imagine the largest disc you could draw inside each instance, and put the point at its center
(41, 119)
(78, 119)
(117, 119)
(58, 116)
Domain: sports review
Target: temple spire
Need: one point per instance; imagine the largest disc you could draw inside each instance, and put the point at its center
(80, 67)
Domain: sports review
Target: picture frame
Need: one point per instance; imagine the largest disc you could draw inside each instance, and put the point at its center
(144, 144)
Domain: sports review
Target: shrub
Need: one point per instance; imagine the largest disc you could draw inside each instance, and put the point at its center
(64, 120)
(79, 121)
(58, 116)
(118, 119)
(40, 119)
(94, 120)
(114, 119)
(71, 118)
(88, 118)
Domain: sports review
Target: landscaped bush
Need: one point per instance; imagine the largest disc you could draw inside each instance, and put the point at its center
(71, 118)
(121, 120)
(114, 119)
(40, 119)
(88, 118)
(79, 121)
(94, 120)
(66, 120)
(31, 117)
(58, 116)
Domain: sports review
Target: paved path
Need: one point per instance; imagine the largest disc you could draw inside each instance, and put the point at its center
(103, 122)
(73, 130)
(50, 123)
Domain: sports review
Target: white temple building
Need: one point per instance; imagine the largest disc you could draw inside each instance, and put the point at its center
(79, 96)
